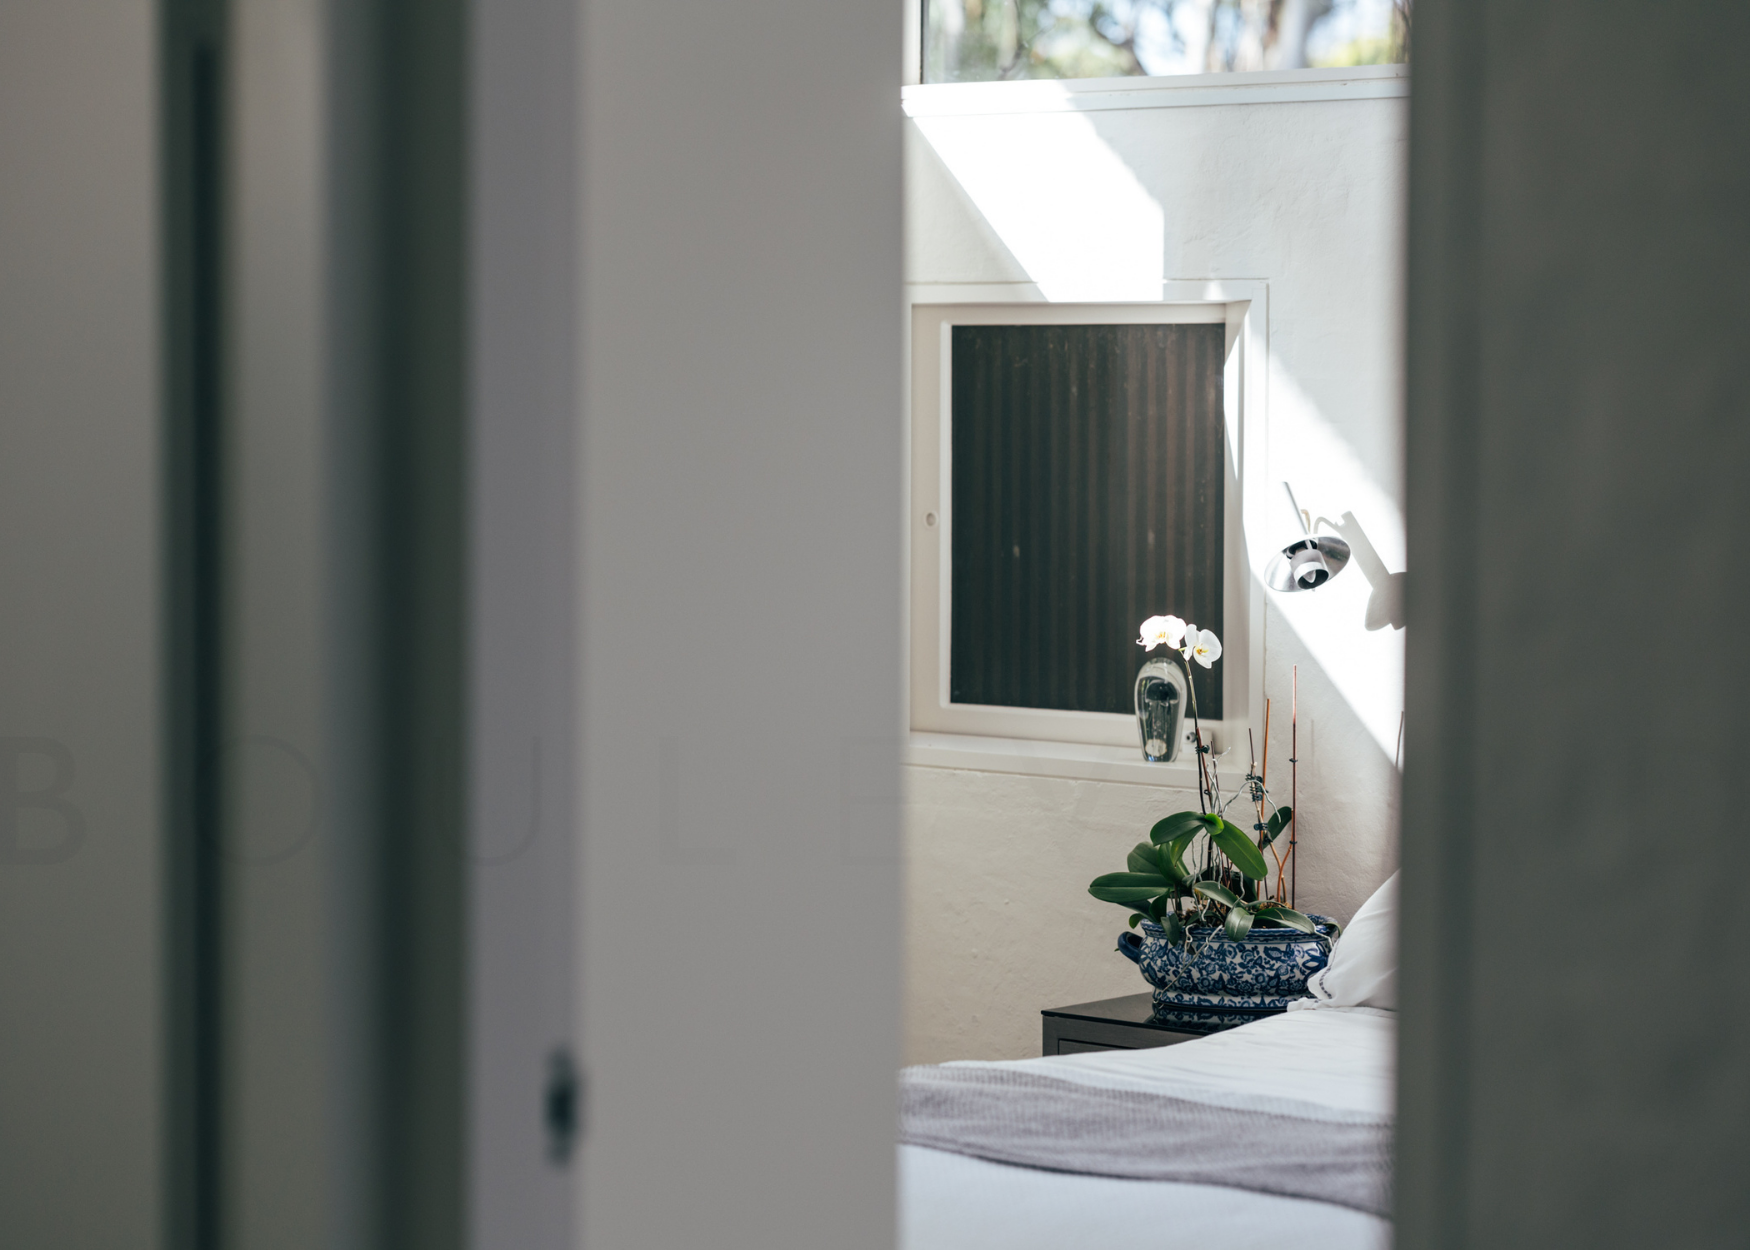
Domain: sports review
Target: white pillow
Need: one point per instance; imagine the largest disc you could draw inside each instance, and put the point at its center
(1363, 971)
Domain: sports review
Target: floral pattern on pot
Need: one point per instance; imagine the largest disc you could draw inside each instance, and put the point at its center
(1265, 972)
(1205, 1020)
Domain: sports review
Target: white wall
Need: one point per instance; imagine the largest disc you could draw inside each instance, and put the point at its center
(1308, 197)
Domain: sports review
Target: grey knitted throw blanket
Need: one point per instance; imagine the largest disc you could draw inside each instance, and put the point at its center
(1063, 1126)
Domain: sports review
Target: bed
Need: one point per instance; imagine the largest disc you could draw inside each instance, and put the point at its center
(997, 1154)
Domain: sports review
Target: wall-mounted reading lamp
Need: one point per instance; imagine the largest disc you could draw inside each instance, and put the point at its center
(1309, 561)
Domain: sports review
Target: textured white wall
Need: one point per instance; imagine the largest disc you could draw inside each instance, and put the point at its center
(1307, 197)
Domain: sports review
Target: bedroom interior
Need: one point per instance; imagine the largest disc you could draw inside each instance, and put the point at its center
(1268, 209)
(1288, 197)
(579, 577)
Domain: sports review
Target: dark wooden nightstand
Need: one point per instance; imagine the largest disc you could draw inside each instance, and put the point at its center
(1110, 1024)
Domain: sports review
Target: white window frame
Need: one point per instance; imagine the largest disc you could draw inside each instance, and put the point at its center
(1093, 95)
(1044, 741)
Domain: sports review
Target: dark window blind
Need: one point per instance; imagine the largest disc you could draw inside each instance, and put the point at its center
(1088, 483)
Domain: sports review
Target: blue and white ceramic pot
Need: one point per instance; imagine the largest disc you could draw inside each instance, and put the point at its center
(1226, 983)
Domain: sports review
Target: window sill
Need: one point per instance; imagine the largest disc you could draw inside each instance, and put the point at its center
(1072, 760)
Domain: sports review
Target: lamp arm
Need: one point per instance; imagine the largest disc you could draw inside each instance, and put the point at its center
(1298, 514)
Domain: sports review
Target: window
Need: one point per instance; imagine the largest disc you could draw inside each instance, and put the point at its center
(1074, 470)
(1006, 40)
(1086, 494)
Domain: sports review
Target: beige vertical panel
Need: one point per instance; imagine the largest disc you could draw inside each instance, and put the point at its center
(521, 626)
(1575, 1046)
(741, 602)
(80, 841)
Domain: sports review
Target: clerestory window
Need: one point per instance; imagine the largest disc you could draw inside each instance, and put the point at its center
(1010, 40)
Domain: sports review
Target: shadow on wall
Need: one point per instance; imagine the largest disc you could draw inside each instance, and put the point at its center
(1348, 782)
(1103, 205)
(1308, 196)
(953, 241)
(1385, 606)
(1069, 211)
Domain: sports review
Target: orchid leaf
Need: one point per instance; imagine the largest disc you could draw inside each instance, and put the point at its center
(1239, 923)
(1180, 824)
(1218, 893)
(1143, 858)
(1172, 865)
(1174, 926)
(1187, 828)
(1127, 887)
(1211, 827)
(1172, 857)
(1238, 847)
(1278, 822)
(1287, 917)
(1136, 918)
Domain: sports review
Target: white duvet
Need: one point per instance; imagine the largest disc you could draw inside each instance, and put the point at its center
(1330, 1062)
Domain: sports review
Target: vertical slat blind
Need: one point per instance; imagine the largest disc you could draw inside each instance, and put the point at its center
(1088, 482)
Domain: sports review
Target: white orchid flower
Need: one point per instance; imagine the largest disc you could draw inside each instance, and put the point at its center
(1185, 643)
(1161, 630)
(1202, 646)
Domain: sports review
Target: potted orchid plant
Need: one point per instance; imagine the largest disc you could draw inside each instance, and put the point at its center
(1203, 884)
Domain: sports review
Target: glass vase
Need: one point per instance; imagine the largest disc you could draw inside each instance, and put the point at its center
(1162, 691)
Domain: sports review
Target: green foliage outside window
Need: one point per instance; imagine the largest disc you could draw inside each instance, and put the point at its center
(1005, 40)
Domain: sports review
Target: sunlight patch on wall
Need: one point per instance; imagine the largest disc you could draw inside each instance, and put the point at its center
(1347, 624)
(1062, 201)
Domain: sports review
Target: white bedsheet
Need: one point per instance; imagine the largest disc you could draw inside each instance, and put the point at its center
(1333, 1062)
